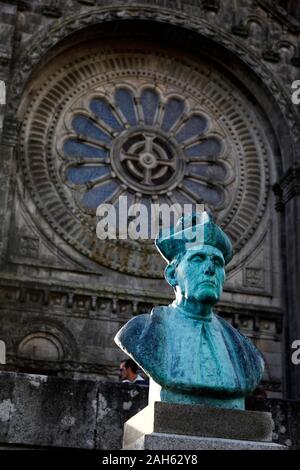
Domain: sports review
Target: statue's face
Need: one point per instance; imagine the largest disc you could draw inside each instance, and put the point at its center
(200, 274)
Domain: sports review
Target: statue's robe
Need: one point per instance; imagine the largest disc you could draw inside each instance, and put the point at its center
(191, 356)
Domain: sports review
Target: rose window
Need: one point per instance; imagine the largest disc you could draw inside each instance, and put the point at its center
(144, 143)
(156, 127)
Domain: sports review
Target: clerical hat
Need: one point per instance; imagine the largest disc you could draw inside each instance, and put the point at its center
(190, 232)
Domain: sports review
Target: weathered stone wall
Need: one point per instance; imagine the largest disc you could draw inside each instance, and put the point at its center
(40, 411)
(37, 410)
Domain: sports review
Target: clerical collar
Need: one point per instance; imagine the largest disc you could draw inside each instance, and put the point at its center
(191, 315)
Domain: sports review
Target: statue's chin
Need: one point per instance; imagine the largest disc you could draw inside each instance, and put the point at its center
(208, 296)
(208, 300)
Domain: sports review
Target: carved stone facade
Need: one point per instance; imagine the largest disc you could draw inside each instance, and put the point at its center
(163, 104)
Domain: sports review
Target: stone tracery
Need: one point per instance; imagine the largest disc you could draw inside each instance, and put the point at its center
(152, 144)
(188, 139)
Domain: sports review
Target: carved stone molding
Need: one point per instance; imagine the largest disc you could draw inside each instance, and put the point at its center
(61, 29)
(52, 8)
(5, 56)
(10, 131)
(262, 36)
(281, 13)
(68, 303)
(29, 246)
(288, 187)
(211, 5)
(254, 277)
(40, 345)
(87, 2)
(45, 337)
(17, 363)
(60, 303)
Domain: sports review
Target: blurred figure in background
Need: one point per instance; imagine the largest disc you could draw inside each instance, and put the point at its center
(128, 373)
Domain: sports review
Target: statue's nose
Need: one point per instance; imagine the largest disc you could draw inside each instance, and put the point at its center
(209, 267)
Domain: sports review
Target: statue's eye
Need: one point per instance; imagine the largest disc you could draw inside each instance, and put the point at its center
(219, 262)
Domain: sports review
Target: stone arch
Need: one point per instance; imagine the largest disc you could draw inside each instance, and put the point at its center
(46, 340)
(41, 345)
(275, 97)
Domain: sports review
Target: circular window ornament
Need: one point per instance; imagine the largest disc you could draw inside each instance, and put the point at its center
(148, 161)
(100, 129)
(144, 142)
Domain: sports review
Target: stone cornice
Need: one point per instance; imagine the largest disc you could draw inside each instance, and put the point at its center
(119, 308)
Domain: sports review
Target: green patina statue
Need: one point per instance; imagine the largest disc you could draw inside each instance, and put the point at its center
(191, 354)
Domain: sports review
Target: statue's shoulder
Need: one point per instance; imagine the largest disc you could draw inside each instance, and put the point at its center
(152, 321)
(139, 326)
(159, 313)
(131, 330)
(142, 338)
(250, 358)
(233, 331)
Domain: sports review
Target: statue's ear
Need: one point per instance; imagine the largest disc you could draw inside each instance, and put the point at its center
(170, 275)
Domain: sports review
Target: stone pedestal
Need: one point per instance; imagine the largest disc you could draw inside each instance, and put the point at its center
(166, 426)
